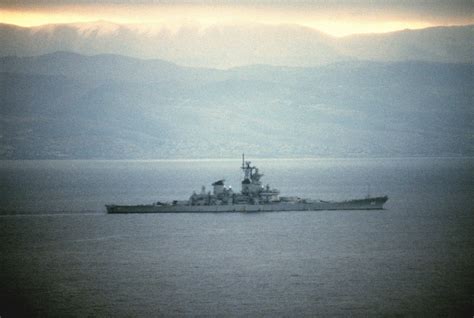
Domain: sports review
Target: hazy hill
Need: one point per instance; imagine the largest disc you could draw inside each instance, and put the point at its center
(103, 67)
(236, 45)
(67, 105)
(436, 44)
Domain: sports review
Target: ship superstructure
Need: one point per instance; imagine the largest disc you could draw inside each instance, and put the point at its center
(253, 197)
(252, 191)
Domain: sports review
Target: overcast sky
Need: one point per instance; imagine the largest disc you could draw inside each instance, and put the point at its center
(333, 17)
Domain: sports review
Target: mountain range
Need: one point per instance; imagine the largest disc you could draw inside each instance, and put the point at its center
(226, 46)
(68, 105)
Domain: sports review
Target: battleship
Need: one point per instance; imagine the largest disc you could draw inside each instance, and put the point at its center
(253, 197)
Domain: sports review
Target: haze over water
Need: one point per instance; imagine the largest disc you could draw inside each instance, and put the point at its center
(121, 79)
(62, 255)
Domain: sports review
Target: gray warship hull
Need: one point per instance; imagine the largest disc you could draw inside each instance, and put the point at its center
(254, 197)
(375, 203)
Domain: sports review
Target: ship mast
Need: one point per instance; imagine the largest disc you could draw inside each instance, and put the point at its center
(246, 168)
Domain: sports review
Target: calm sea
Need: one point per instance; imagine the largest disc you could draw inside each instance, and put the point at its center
(61, 255)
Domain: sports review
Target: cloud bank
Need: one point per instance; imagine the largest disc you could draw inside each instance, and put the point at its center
(337, 18)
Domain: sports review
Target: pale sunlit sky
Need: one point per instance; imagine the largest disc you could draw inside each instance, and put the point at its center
(337, 18)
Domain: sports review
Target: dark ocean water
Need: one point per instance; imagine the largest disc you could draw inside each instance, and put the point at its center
(61, 255)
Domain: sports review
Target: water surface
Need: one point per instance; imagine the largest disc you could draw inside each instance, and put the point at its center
(63, 256)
